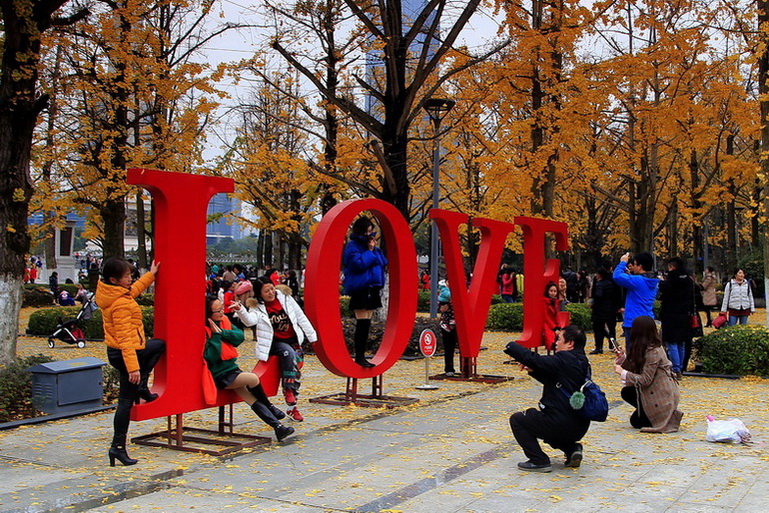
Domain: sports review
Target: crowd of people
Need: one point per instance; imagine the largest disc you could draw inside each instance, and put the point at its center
(650, 363)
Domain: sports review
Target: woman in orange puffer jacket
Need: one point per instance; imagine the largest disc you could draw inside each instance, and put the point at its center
(129, 352)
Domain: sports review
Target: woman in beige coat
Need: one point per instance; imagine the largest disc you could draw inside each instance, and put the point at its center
(708, 285)
(648, 378)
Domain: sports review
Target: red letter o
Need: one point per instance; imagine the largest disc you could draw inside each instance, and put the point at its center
(322, 287)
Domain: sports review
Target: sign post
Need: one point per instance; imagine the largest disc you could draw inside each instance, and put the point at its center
(428, 343)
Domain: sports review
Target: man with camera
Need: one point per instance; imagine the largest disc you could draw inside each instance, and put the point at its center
(555, 421)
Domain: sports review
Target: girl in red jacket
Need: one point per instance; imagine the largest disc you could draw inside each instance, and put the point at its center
(552, 307)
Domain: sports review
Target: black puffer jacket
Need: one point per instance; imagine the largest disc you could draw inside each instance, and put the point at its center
(607, 299)
(570, 368)
(677, 295)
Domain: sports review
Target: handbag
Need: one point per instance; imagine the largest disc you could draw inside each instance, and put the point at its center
(696, 325)
(719, 321)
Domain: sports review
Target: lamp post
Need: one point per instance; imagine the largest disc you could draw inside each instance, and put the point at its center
(436, 108)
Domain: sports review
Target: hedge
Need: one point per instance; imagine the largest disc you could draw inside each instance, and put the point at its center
(16, 388)
(43, 322)
(39, 294)
(423, 304)
(509, 316)
(36, 296)
(741, 350)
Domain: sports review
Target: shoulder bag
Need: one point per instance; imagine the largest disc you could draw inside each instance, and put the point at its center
(589, 401)
(694, 321)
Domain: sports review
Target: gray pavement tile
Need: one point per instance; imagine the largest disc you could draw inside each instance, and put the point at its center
(683, 507)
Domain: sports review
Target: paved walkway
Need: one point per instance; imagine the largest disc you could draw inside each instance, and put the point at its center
(451, 452)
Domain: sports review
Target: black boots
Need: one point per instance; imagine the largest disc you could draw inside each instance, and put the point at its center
(264, 413)
(362, 327)
(144, 391)
(258, 393)
(118, 452)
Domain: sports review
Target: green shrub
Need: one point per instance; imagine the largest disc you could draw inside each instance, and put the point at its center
(36, 296)
(742, 350)
(377, 332)
(146, 299)
(111, 382)
(344, 304)
(43, 322)
(505, 317)
(16, 388)
(423, 302)
(509, 316)
(71, 288)
(581, 314)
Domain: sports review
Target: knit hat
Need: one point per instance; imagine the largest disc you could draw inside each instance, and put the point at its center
(244, 287)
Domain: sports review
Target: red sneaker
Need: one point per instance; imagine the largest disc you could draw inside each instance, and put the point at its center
(294, 414)
(289, 395)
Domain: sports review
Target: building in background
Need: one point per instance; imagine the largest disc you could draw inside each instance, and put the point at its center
(221, 212)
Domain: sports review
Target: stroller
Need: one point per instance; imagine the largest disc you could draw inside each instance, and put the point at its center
(68, 331)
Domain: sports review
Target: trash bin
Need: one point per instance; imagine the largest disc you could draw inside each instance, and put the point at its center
(68, 386)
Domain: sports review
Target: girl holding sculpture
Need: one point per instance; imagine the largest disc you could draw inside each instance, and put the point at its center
(128, 351)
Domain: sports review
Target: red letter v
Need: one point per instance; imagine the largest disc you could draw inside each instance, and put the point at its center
(471, 306)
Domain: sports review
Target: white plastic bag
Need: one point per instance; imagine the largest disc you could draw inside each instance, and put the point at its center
(727, 431)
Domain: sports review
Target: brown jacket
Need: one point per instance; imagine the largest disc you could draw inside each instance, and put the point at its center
(658, 392)
(709, 290)
(122, 318)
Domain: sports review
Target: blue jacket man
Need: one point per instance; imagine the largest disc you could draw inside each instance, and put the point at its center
(637, 277)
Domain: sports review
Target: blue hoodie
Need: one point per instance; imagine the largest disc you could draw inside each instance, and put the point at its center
(641, 293)
(362, 267)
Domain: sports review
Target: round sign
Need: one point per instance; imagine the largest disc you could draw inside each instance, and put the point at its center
(428, 343)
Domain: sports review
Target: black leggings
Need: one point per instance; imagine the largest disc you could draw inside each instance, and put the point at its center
(449, 347)
(638, 418)
(148, 358)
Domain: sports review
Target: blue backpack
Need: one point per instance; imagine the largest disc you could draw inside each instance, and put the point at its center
(589, 401)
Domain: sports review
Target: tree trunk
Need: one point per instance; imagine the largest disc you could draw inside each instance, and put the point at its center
(18, 114)
(141, 247)
(396, 188)
(330, 153)
(113, 217)
(763, 89)
(49, 244)
(699, 219)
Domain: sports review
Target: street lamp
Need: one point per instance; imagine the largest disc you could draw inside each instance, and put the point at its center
(436, 108)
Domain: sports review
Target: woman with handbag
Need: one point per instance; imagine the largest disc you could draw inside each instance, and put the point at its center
(738, 299)
(648, 380)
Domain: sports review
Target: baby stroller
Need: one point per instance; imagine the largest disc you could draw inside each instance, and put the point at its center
(68, 331)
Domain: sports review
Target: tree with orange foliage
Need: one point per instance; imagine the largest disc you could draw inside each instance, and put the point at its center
(24, 22)
(133, 97)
